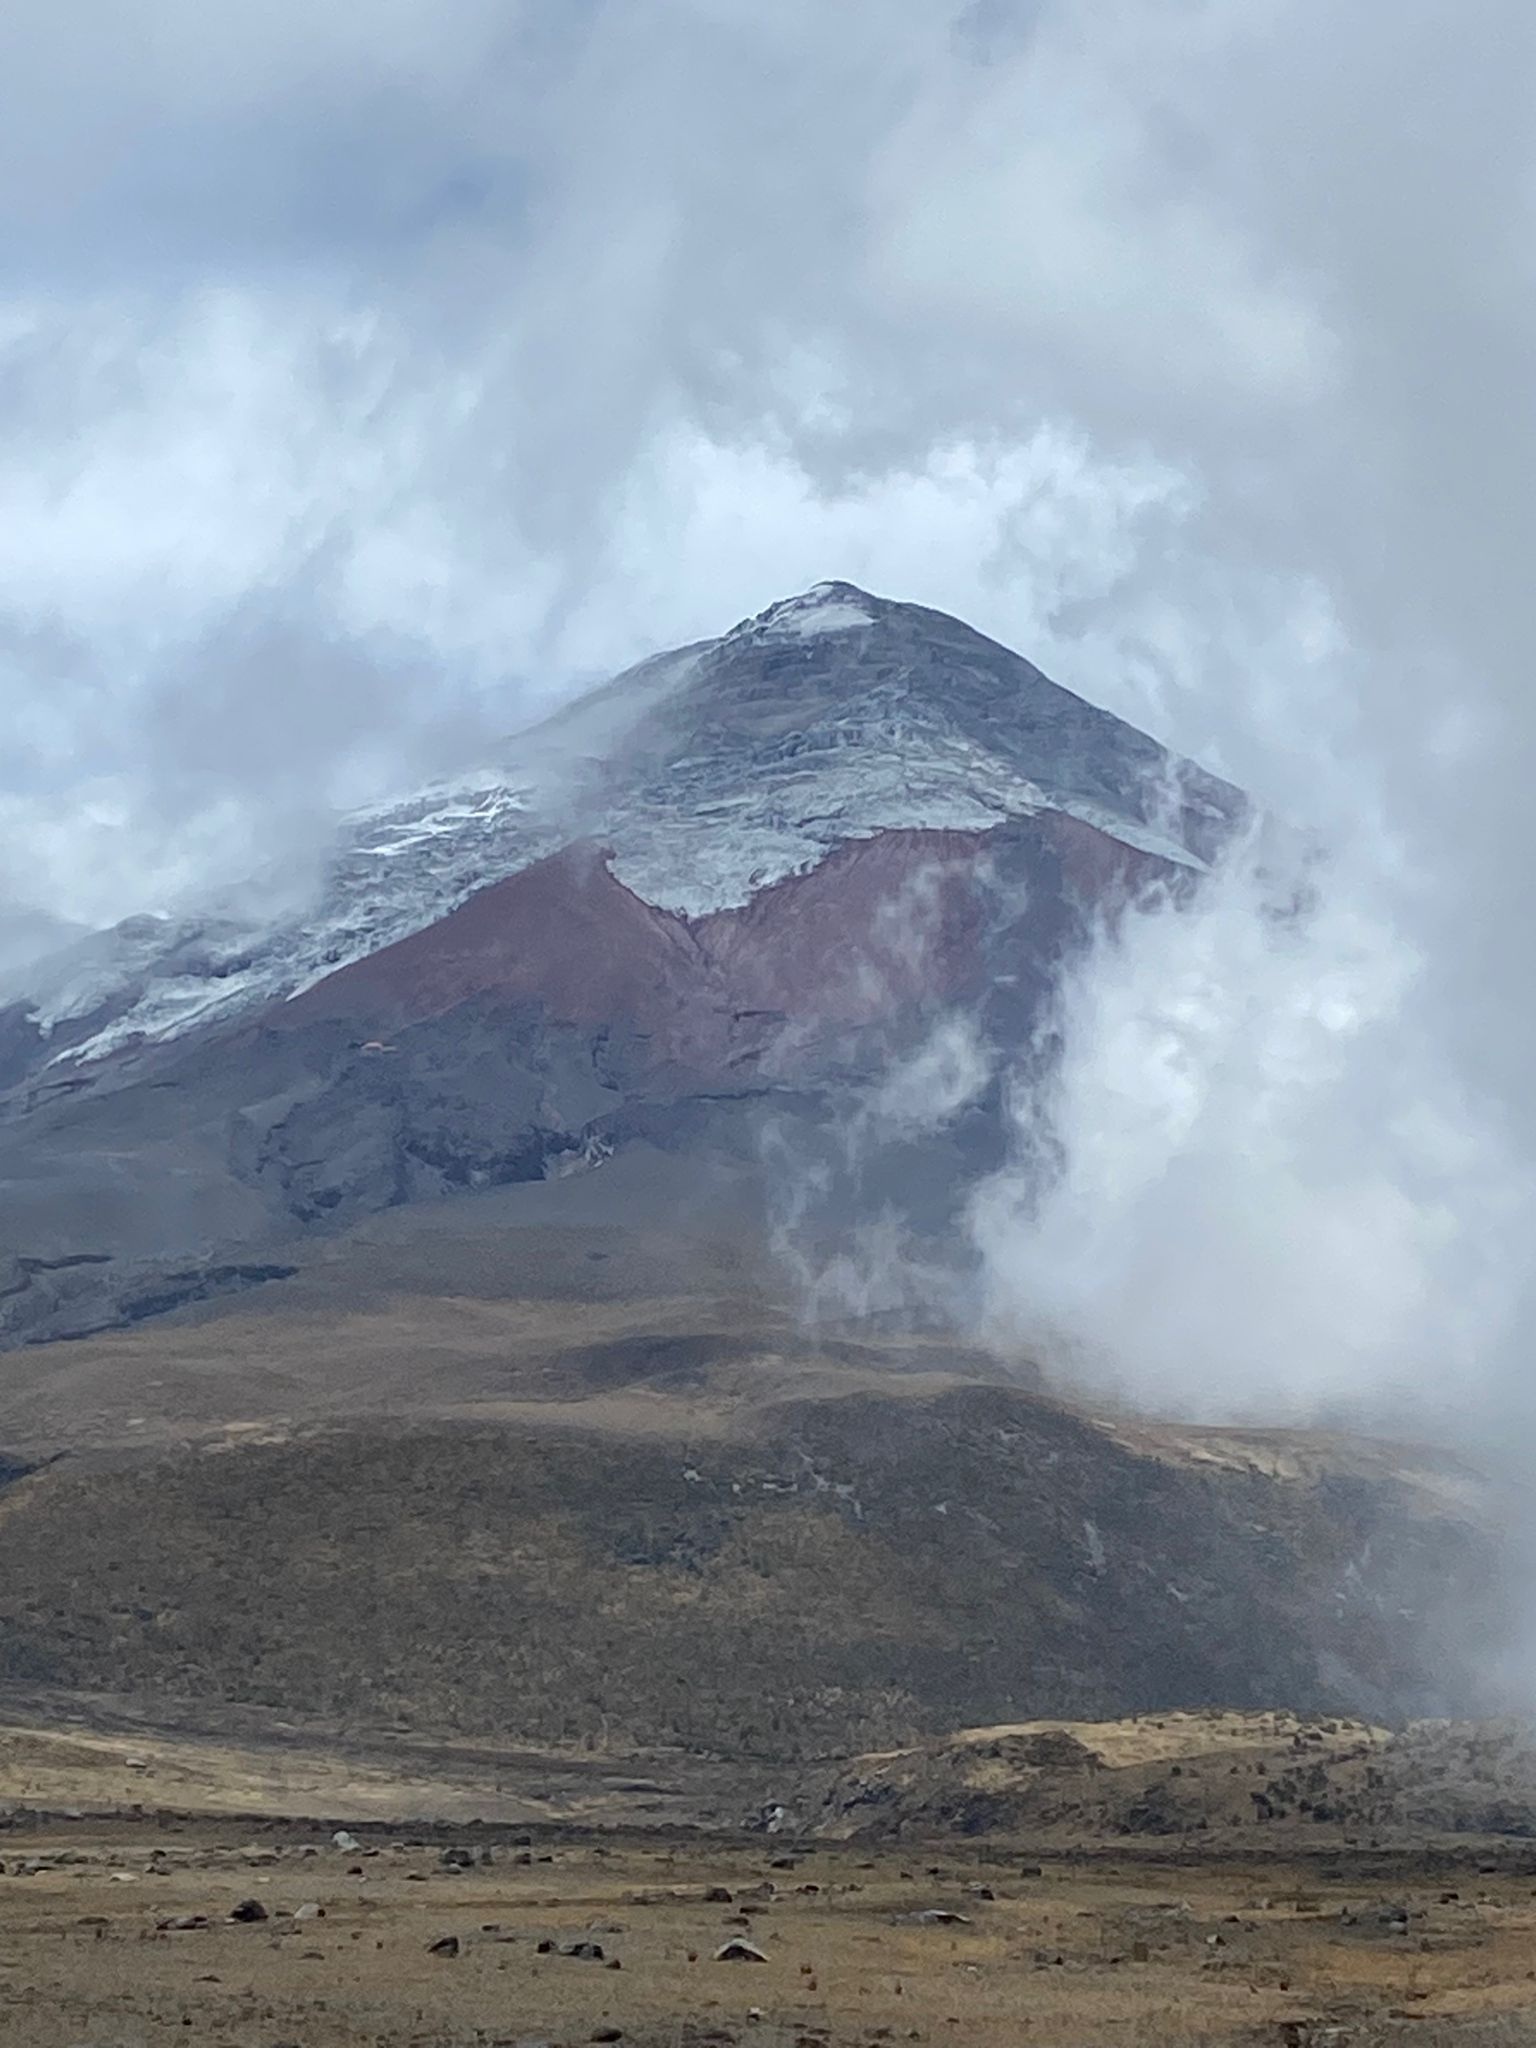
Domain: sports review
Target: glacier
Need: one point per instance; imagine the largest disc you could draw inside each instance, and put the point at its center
(709, 772)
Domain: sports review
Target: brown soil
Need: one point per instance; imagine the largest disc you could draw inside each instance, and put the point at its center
(1071, 1951)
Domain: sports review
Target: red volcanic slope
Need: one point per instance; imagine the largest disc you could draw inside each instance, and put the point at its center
(879, 924)
(564, 932)
(880, 921)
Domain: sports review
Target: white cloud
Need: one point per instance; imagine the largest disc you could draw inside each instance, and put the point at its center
(370, 376)
(1253, 1186)
(1039, 202)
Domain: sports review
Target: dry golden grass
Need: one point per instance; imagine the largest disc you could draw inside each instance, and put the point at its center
(48, 1768)
(1161, 1954)
(1174, 1737)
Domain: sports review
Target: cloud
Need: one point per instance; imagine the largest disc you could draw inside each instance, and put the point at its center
(927, 1089)
(372, 380)
(478, 357)
(1252, 1184)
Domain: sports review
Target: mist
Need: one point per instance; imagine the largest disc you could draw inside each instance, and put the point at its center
(1251, 1185)
(372, 386)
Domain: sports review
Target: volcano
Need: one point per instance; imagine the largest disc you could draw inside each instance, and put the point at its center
(469, 1297)
(720, 895)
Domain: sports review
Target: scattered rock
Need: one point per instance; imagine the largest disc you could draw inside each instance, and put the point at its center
(445, 1945)
(347, 1844)
(738, 1951)
(309, 1911)
(248, 1910)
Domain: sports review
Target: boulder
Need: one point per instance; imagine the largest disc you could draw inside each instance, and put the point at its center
(738, 1951)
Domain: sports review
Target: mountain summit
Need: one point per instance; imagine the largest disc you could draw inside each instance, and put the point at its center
(511, 1236)
(712, 772)
(727, 889)
(836, 714)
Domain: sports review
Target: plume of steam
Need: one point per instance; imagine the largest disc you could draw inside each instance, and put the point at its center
(852, 1248)
(856, 1199)
(1246, 1183)
(923, 1092)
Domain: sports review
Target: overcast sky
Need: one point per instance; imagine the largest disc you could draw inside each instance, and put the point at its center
(373, 375)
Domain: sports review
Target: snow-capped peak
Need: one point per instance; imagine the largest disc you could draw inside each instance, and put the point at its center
(711, 772)
(824, 608)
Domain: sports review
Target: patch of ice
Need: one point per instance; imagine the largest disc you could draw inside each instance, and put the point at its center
(1143, 838)
(836, 615)
(704, 812)
(826, 608)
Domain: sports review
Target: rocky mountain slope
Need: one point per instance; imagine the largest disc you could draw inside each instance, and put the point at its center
(1211, 1774)
(620, 1496)
(402, 1307)
(711, 772)
(713, 903)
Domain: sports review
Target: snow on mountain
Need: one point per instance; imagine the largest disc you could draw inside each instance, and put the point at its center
(394, 869)
(836, 715)
(825, 608)
(711, 772)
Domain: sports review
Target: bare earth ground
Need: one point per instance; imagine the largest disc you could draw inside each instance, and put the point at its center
(1068, 1951)
(116, 1927)
(572, 1553)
